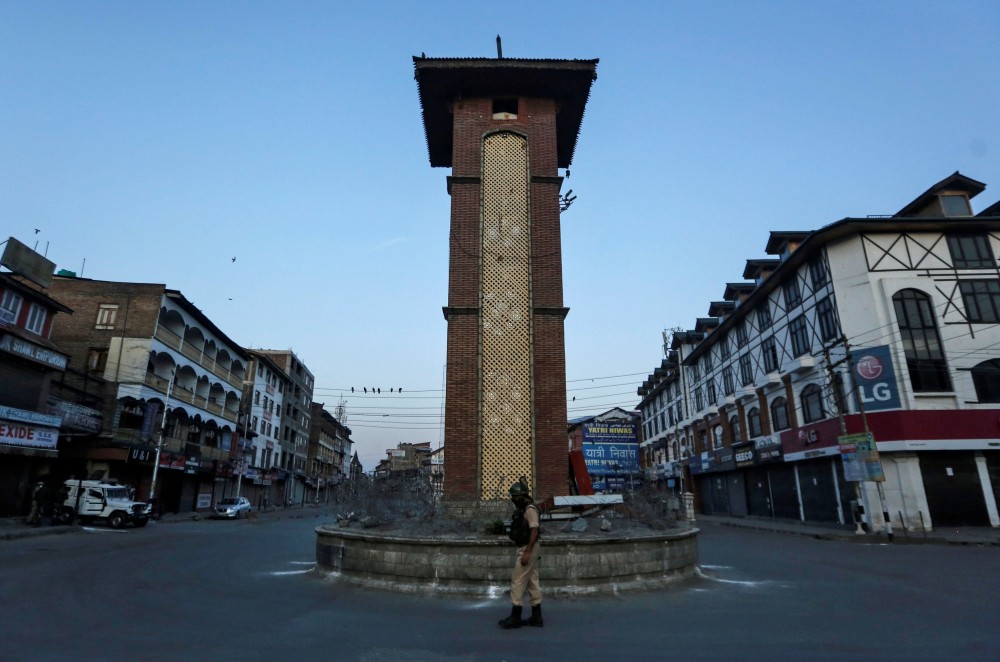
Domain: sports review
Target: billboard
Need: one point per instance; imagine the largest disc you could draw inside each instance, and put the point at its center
(860, 458)
(611, 447)
(23, 261)
(876, 379)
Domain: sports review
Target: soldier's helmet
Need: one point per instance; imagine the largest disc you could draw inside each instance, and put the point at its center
(518, 489)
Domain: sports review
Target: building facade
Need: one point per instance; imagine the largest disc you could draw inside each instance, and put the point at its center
(170, 385)
(296, 421)
(884, 325)
(329, 449)
(259, 456)
(31, 415)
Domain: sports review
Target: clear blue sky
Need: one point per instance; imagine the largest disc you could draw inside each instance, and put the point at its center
(152, 142)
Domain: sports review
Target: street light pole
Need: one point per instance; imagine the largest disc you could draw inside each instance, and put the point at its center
(159, 441)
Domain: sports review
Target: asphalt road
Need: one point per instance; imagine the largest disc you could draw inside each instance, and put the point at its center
(245, 590)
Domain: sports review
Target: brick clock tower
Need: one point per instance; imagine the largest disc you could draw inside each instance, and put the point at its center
(504, 126)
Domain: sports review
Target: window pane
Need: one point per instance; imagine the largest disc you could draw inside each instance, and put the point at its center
(770, 352)
(779, 414)
(827, 320)
(986, 378)
(955, 205)
(764, 316)
(817, 271)
(925, 360)
(753, 422)
(812, 403)
(970, 251)
(792, 295)
(800, 336)
(982, 300)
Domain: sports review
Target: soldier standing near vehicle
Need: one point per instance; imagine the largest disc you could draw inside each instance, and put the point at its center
(33, 513)
(524, 531)
(40, 498)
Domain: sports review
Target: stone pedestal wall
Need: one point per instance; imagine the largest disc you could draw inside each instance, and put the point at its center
(482, 565)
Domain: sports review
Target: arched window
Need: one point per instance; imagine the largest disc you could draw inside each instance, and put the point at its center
(717, 436)
(734, 427)
(921, 342)
(779, 414)
(753, 422)
(812, 404)
(986, 379)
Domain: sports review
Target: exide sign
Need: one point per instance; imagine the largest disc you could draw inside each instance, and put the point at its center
(28, 435)
(876, 378)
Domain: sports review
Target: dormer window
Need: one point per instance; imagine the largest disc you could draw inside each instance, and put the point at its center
(505, 109)
(955, 205)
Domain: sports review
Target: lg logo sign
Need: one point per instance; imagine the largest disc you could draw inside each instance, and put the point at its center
(876, 378)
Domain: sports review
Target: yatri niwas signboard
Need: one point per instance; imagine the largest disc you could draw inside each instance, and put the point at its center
(611, 452)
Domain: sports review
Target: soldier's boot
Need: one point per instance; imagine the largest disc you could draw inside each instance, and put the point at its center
(535, 620)
(514, 620)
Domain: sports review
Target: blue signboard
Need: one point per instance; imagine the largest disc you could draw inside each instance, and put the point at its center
(606, 459)
(615, 432)
(611, 453)
(876, 378)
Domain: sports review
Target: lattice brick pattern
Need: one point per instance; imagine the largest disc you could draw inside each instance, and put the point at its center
(506, 315)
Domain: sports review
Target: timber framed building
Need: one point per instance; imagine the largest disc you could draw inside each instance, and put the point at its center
(889, 324)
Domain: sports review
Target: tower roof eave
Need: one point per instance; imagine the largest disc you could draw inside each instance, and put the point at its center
(441, 81)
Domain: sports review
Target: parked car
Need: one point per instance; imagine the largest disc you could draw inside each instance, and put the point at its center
(232, 508)
(94, 500)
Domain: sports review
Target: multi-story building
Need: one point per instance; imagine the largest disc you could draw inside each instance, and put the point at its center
(259, 453)
(406, 460)
(295, 420)
(329, 446)
(170, 379)
(884, 324)
(31, 418)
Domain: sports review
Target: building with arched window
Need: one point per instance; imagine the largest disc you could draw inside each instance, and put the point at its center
(167, 378)
(885, 325)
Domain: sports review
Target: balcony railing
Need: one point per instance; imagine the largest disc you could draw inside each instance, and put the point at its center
(168, 337)
(172, 340)
(191, 353)
(157, 383)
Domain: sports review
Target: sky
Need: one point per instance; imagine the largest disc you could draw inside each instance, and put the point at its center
(153, 142)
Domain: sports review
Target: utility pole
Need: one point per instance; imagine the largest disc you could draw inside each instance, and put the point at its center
(841, 410)
(159, 441)
(864, 420)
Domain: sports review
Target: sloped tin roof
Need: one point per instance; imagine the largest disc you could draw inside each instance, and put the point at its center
(442, 81)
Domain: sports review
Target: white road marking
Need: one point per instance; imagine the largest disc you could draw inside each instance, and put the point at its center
(96, 530)
(738, 582)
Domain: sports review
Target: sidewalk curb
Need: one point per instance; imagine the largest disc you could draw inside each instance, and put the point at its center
(30, 532)
(866, 538)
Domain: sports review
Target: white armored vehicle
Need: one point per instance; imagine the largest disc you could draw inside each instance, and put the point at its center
(94, 500)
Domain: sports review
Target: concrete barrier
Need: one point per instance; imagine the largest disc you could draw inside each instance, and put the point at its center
(481, 565)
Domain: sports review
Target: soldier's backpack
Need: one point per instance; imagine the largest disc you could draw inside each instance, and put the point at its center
(520, 532)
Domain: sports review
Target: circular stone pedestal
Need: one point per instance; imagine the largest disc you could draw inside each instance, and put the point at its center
(481, 565)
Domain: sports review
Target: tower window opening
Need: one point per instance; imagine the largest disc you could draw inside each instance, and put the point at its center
(505, 109)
